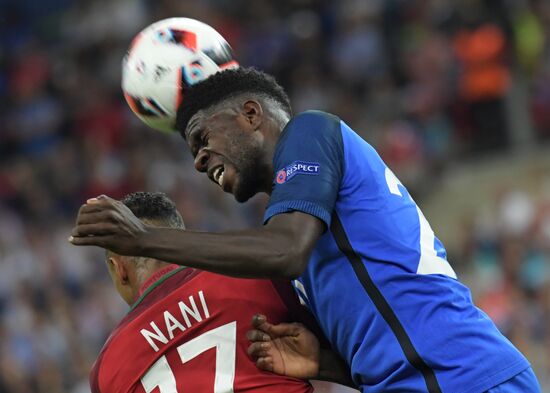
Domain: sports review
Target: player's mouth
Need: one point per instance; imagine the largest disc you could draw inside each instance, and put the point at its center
(223, 175)
(217, 175)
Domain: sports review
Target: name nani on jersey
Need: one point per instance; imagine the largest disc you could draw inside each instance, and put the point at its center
(189, 314)
(297, 168)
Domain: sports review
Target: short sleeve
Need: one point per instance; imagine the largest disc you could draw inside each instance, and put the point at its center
(308, 167)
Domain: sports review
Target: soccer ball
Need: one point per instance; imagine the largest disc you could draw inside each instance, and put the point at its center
(165, 59)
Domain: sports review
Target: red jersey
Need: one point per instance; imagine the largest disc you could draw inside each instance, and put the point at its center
(187, 333)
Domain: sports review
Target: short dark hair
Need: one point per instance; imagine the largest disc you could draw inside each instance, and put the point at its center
(225, 84)
(155, 206)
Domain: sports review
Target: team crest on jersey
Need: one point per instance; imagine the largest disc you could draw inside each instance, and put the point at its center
(297, 168)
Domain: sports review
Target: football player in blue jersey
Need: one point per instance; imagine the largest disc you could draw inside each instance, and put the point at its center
(363, 256)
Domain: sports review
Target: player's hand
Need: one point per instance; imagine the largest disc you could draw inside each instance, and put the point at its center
(286, 349)
(108, 223)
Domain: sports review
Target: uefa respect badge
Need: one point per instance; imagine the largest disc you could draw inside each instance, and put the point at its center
(297, 168)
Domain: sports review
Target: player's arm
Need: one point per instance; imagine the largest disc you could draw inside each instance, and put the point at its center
(292, 350)
(309, 164)
(281, 248)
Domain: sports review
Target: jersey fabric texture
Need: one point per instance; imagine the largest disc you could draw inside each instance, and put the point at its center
(526, 381)
(378, 280)
(187, 333)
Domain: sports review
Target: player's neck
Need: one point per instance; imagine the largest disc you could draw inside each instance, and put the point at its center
(151, 277)
(272, 138)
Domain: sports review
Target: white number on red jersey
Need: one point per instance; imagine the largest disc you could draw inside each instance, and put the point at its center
(223, 338)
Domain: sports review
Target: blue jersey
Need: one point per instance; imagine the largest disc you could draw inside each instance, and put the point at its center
(378, 280)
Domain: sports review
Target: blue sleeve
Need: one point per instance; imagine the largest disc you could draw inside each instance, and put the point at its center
(308, 166)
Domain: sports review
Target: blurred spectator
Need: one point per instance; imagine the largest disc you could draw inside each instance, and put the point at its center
(480, 44)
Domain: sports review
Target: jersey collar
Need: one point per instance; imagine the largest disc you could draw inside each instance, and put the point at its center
(154, 281)
(155, 277)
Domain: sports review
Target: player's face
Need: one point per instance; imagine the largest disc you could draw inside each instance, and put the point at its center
(228, 150)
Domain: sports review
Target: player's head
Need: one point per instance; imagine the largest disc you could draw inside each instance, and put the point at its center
(231, 122)
(129, 273)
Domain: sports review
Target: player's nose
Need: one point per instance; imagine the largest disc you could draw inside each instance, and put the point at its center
(201, 160)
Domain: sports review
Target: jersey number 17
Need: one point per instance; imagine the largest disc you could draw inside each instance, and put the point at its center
(223, 338)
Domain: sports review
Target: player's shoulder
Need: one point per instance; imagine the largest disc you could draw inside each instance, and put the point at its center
(93, 377)
(311, 125)
(314, 114)
(315, 120)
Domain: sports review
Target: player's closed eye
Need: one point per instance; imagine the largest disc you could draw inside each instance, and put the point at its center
(204, 139)
(198, 140)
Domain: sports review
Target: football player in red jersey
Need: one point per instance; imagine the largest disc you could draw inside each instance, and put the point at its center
(186, 328)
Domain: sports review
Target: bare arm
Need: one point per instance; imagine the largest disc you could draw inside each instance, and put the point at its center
(279, 249)
(275, 250)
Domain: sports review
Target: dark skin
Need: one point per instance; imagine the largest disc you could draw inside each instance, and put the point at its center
(233, 253)
(283, 245)
(242, 141)
(290, 349)
(240, 144)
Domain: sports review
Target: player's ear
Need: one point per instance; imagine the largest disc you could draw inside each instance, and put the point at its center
(119, 269)
(253, 112)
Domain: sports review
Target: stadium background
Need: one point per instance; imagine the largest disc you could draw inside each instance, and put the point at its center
(454, 94)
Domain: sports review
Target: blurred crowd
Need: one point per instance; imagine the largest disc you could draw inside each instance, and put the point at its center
(430, 84)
